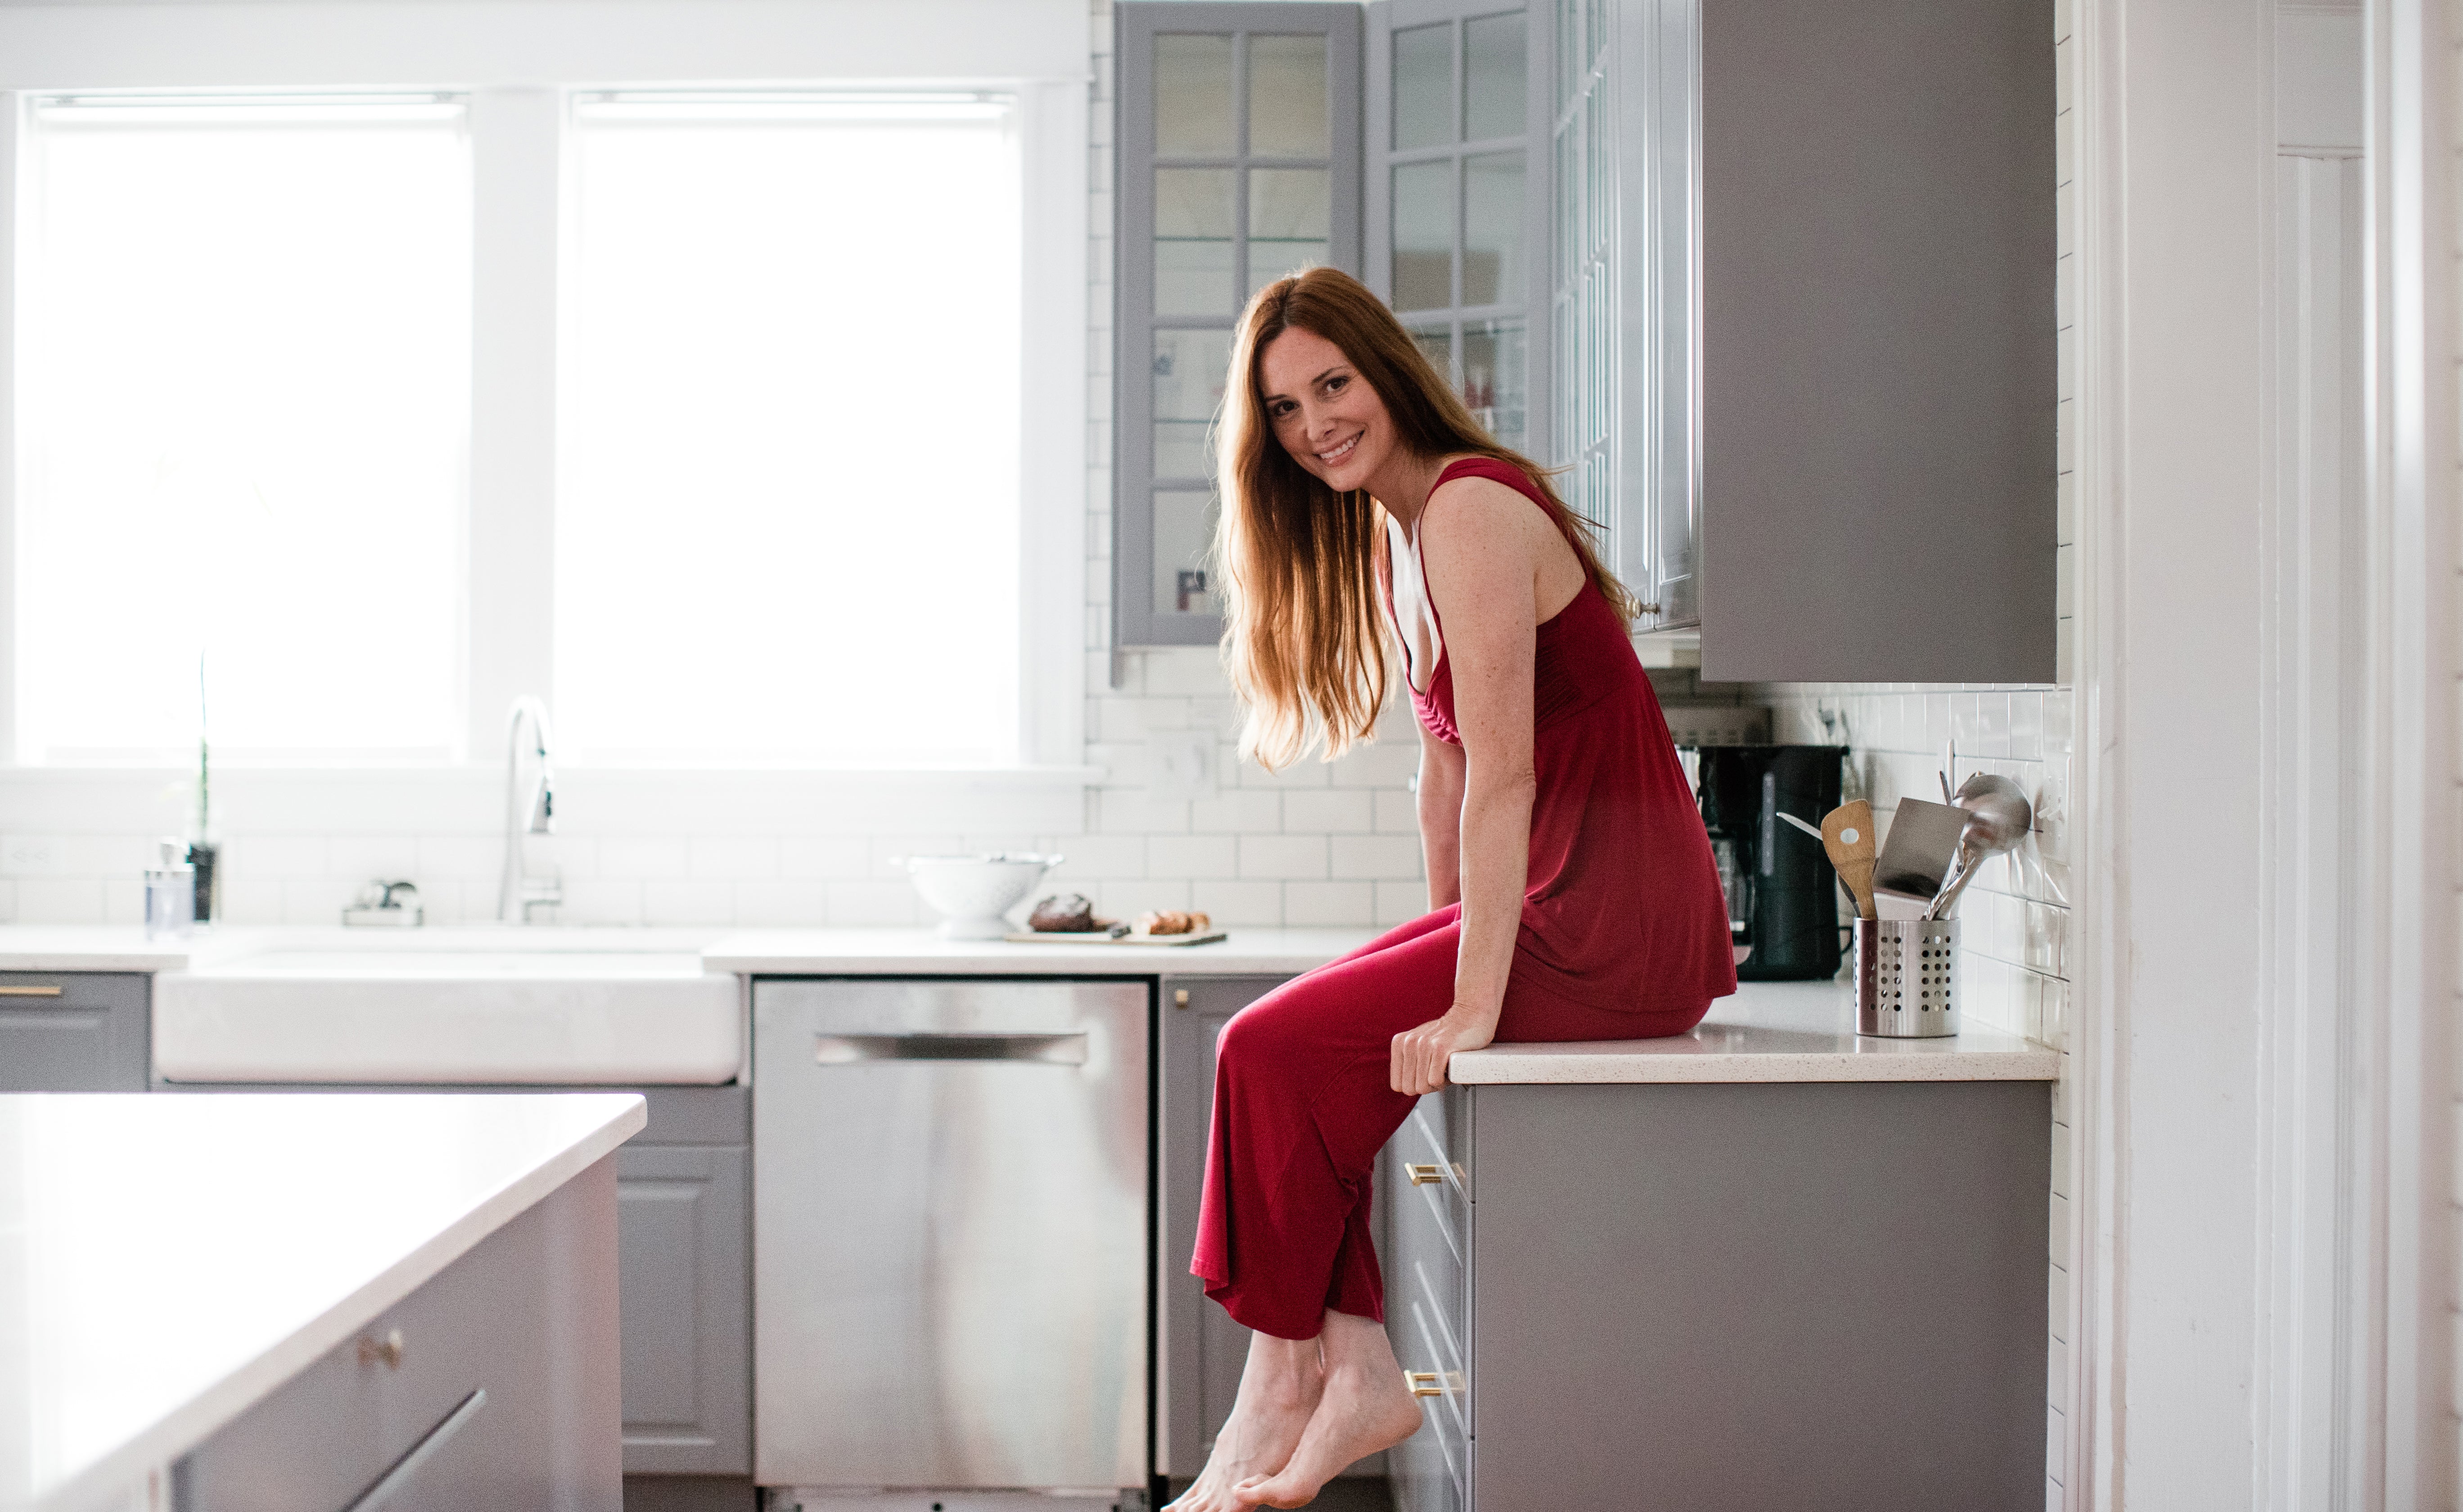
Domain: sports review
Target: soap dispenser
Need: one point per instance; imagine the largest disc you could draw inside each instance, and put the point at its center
(170, 892)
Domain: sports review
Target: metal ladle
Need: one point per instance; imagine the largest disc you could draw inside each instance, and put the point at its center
(1998, 817)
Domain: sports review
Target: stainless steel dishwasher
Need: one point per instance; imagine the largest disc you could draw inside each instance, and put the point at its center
(950, 1234)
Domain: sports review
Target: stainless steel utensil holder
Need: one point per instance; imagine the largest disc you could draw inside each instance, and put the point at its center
(1904, 977)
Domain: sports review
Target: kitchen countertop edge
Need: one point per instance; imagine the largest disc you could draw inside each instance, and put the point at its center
(163, 1443)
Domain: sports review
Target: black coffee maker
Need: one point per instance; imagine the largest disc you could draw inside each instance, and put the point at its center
(1782, 895)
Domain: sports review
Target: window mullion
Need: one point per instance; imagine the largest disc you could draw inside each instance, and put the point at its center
(509, 538)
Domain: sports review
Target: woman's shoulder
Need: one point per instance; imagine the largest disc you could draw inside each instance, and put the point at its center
(1475, 467)
(1484, 493)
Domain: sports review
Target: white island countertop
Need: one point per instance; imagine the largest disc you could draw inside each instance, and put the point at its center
(1770, 1032)
(166, 1262)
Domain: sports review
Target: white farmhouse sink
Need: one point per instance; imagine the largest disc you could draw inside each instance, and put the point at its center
(472, 1006)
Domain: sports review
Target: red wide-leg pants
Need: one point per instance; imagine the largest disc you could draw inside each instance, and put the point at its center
(1303, 1101)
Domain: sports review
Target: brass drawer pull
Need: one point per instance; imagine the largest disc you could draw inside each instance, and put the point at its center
(387, 1349)
(1425, 1175)
(29, 992)
(1425, 1383)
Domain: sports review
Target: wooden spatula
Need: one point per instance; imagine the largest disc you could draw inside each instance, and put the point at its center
(1847, 837)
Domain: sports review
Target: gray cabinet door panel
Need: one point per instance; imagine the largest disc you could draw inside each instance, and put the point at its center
(685, 1265)
(72, 1031)
(1198, 1348)
(1713, 1294)
(1877, 326)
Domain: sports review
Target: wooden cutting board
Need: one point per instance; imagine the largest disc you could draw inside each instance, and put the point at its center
(1099, 938)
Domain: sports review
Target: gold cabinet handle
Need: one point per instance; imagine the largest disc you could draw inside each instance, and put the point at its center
(1425, 1383)
(1180, 997)
(1425, 1175)
(29, 992)
(387, 1349)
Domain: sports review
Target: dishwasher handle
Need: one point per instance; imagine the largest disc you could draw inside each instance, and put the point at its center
(1038, 1049)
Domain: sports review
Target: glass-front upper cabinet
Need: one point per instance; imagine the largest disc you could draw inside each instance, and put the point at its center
(1457, 199)
(1239, 161)
(1626, 282)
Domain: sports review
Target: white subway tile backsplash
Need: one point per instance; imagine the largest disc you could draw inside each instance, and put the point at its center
(58, 900)
(274, 855)
(781, 904)
(1329, 904)
(813, 857)
(602, 901)
(723, 858)
(858, 904)
(689, 902)
(666, 858)
(1193, 856)
(1400, 902)
(1398, 812)
(85, 857)
(1237, 810)
(1256, 904)
(1375, 856)
(1332, 811)
(1282, 856)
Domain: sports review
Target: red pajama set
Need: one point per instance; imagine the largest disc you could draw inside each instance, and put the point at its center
(1624, 936)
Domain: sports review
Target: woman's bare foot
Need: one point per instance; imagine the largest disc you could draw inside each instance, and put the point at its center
(1365, 1408)
(1279, 1389)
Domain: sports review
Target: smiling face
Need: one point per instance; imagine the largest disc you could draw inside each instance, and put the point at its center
(1322, 411)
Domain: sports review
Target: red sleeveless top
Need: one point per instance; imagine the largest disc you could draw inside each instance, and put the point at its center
(1622, 909)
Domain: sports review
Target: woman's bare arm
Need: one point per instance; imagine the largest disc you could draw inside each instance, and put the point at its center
(1485, 546)
(1440, 807)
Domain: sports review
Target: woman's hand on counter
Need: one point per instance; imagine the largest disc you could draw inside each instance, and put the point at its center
(1420, 1055)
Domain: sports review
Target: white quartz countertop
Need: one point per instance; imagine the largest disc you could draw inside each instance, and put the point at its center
(166, 1262)
(238, 951)
(1770, 1032)
(828, 952)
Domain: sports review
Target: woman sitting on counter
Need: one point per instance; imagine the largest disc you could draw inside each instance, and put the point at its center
(1574, 891)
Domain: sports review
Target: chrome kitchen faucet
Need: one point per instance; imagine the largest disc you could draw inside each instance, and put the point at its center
(528, 810)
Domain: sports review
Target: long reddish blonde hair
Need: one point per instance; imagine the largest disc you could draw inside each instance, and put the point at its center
(1303, 635)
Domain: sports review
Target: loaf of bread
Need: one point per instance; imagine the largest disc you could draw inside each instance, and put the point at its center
(1173, 921)
(1065, 914)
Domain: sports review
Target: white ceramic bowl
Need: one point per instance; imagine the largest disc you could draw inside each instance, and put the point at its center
(972, 892)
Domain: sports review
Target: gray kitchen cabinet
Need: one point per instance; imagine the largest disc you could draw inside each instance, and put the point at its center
(1706, 1297)
(1240, 139)
(73, 1031)
(684, 1254)
(1806, 254)
(1457, 196)
(1198, 1348)
(494, 1385)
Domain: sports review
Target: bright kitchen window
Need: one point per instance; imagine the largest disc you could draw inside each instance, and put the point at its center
(788, 483)
(243, 405)
(721, 418)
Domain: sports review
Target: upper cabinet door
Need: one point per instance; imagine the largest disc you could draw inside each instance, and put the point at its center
(1877, 332)
(1239, 141)
(1457, 194)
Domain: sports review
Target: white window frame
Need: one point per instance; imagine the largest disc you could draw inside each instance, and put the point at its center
(517, 62)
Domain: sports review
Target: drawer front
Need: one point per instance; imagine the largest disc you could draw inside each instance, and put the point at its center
(1427, 1267)
(72, 1031)
(1441, 1414)
(1429, 1171)
(525, 1318)
(1445, 1120)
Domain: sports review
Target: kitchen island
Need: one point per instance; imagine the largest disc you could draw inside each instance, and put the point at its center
(279, 1301)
